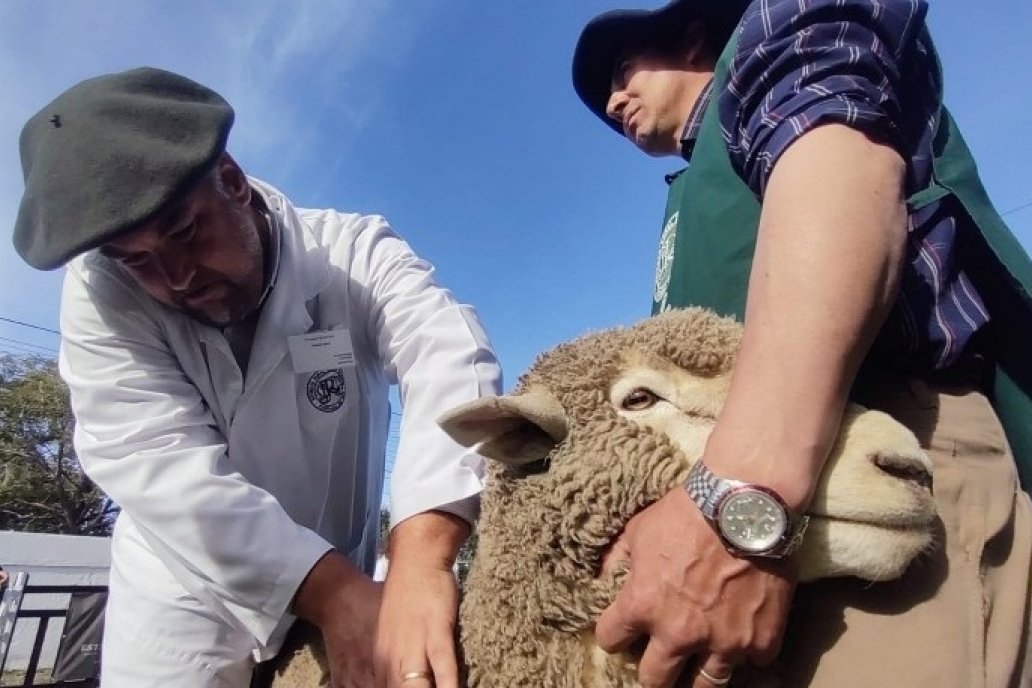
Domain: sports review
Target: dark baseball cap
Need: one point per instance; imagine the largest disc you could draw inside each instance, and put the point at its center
(611, 33)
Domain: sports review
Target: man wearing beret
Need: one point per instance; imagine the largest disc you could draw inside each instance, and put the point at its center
(229, 357)
(830, 203)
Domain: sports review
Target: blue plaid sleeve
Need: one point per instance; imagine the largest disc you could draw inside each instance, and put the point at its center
(800, 64)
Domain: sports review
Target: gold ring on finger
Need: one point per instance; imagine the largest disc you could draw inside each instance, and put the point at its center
(714, 680)
(414, 675)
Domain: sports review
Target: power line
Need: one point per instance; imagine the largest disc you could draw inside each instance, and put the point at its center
(25, 324)
(1014, 210)
(48, 349)
(19, 350)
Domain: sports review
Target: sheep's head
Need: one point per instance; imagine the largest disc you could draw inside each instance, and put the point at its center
(633, 407)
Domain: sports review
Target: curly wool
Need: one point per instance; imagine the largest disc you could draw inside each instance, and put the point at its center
(534, 591)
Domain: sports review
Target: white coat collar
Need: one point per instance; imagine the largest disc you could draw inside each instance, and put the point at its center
(303, 271)
(303, 263)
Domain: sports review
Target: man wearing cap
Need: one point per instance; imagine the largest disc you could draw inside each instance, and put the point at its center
(228, 357)
(830, 204)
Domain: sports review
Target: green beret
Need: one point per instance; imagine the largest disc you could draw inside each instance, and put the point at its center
(108, 154)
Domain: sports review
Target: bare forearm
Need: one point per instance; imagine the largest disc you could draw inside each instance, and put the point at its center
(825, 274)
(344, 603)
(432, 538)
(326, 588)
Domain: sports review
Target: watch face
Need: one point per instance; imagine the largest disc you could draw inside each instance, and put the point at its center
(751, 520)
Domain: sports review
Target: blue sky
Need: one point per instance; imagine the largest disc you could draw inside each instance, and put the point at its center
(456, 120)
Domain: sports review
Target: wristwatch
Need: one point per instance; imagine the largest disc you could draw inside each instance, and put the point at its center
(752, 520)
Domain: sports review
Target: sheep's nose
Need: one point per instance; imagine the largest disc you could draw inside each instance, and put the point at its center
(905, 468)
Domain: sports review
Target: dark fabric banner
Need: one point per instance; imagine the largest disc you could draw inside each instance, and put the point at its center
(78, 655)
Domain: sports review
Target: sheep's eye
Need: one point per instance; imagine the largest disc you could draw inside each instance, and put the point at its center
(639, 400)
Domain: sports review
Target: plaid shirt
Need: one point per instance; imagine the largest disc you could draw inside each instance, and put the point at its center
(800, 64)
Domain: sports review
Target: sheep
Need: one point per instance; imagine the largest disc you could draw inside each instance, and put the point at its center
(569, 463)
(569, 466)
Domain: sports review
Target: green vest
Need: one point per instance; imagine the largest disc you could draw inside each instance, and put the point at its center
(709, 236)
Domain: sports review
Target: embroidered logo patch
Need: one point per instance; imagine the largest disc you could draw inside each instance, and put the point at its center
(665, 259)
(326, 389)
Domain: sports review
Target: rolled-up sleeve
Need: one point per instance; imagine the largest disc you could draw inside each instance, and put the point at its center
(439, 354)
(800, 64)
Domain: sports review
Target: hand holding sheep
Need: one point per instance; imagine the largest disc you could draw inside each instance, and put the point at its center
(416, 634)
(343, 603)
(692, 599)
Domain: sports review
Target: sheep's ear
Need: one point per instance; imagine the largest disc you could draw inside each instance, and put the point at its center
(515, 429)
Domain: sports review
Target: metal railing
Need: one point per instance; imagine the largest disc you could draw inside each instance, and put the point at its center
(11, 612)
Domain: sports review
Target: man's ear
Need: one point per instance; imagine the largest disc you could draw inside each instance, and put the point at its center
(232, 180)
(514, 429)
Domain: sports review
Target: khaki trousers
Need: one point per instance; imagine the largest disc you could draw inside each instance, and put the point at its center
(959, 617)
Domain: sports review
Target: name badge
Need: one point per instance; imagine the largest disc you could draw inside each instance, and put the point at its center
(321, 351)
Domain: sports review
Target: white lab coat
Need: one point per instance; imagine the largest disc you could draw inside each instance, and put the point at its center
(239, 485)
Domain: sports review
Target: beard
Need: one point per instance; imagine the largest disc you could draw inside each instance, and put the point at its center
(220, 304)
(225, 301)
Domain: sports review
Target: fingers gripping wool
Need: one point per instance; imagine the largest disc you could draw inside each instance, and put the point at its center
(618, 469)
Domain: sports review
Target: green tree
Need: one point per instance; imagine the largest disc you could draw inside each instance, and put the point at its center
(385, 529)
(467, 553)
(42, 487)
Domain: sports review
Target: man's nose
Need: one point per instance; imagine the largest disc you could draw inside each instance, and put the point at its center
(178, 269)
(616, 104)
